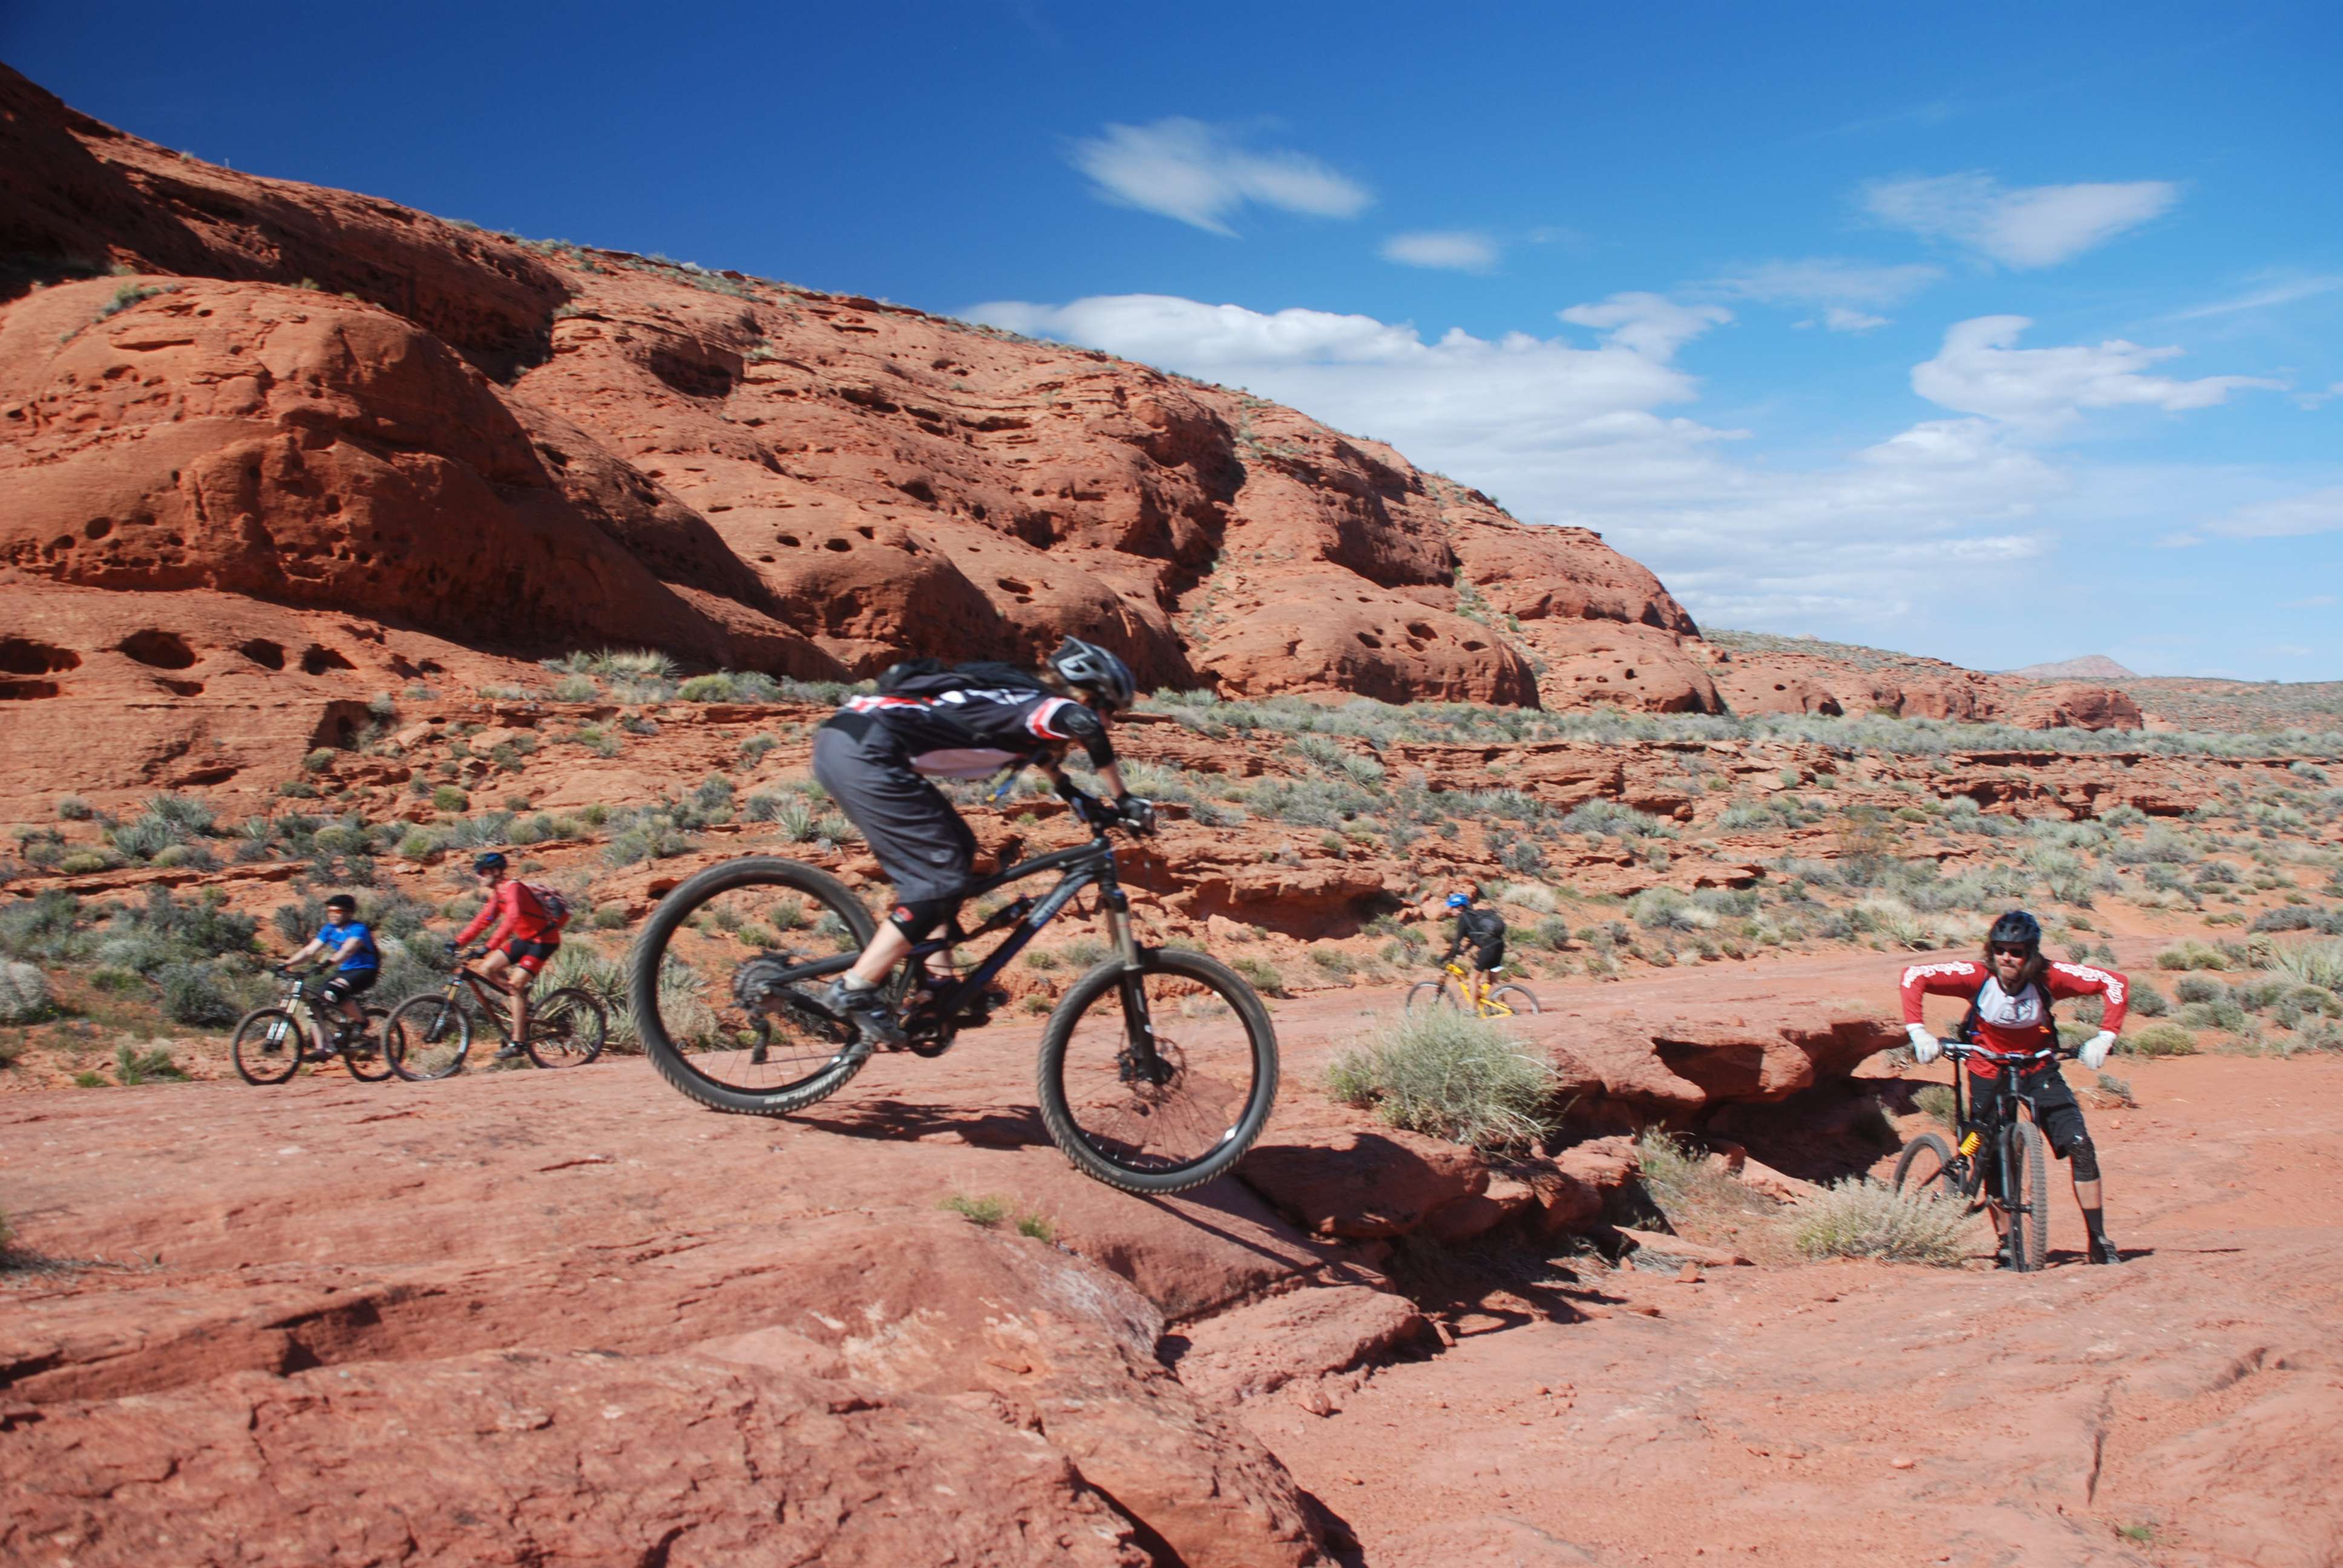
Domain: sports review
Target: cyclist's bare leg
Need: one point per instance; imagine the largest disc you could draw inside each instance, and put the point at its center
(889, 948)
(500, 972)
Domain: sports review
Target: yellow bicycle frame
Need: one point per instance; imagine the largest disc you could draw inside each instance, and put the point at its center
(1476, 992)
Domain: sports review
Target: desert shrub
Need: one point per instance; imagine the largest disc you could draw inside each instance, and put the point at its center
(2160, 1040)
(45, 929)
(1444, 1073)
(143, 838)
(1260, 973)
(133, 1066)
(24, 993)
(1338, 964)
(1937, 1099)
(1667, 910)
(447, 798)
(193, 995)
(2200, 988)
(73, 809)
(2191, 956)
(2312, 963)
(985, 1211)
(1860, 1217)
(2148, 1001)
(1608, 819)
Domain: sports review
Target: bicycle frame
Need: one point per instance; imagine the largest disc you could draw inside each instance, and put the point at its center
(493, 999)
(2004, 1118)
(1084, 864)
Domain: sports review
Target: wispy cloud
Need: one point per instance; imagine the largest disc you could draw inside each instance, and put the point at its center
(1848, 294)
(1980, 369)
(2265, 298)
(2288, 516)
(1457, 250)
(2315, 601)
(2020, 227)
(1201, 175)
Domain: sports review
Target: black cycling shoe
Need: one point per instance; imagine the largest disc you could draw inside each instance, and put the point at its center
(510, 1053)
(2103, 1251)
(867, 1010)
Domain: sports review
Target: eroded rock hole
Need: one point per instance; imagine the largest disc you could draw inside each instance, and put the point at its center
(159, 650)
(318, 659)
(24, 655)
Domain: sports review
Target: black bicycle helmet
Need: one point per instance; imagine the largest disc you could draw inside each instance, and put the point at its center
(2015, 928)
(491, 862)
(1095, 670)
(342, 901)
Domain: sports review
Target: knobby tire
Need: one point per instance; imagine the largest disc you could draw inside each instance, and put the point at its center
(412, 1024)
(1113, 1160)
(258, 1066)
(668, 1054)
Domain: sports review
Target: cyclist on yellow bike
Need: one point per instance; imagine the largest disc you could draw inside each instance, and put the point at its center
(1483, 931)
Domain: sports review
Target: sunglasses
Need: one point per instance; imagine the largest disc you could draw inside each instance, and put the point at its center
(2000, 952)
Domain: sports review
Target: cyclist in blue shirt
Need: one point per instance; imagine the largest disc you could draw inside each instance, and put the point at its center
(348, 943)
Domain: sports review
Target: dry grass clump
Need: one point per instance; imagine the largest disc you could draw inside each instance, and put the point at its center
(1444, 1072)
(1860, 1217)
(2312, 963)
(2160, 1040)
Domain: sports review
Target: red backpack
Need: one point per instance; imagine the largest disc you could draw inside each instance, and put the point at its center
(551, 905)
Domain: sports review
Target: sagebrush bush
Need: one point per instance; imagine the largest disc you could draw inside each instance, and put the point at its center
(1938, 1100)
(24, 993)
(2160, 1040)
(1860, 1217)
(1444, 1072)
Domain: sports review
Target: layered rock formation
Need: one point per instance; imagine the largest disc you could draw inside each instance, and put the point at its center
(325, 401)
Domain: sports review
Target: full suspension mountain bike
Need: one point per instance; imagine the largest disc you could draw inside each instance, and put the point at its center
(1158, 1068)
(1997, 1158)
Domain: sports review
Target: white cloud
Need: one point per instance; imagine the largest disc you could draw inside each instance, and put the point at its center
(2288, 516)
(2280, 293)
(1457, 250)
(2025, 226)
(2315, 601)
(1847, 293)
(1568, 433)
(1201, 175)
(1980, 370)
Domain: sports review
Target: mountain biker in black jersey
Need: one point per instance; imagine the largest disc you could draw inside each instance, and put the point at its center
(1483, 930)
(877, 753)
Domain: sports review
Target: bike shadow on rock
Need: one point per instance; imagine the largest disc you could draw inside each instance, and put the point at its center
(897, 1120)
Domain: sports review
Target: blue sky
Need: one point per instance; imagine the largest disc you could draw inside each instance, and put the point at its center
(1997, 332)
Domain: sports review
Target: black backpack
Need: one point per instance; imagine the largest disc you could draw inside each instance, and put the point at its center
(1967, 1032)
(933, 678)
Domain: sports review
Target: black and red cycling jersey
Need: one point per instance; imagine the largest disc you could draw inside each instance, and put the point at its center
(972, 731)
(2013, 1024)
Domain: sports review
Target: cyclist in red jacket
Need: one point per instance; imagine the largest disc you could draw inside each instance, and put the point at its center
(2009, 1011)
(525, 934)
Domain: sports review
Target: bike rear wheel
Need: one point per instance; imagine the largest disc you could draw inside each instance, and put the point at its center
(366, 1057)
(1160, 1081)
(567, 1028)
(1431, 993)
(427, 1037)
(2028, 1244)
(1514, 997)
(268, 1045)
(725, 985)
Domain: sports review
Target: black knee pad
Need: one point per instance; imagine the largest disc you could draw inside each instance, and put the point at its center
(2085, 1159)
(916, 917)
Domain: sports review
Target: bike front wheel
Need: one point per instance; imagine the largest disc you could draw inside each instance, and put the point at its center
(1514, 998)
(567, 1028)
(1160, 1080)
(726, 984)
(1927, 1166)
(2028, 1242)
(425, 1038)
(1430, 993)
(366, 1057)
(267, 1046)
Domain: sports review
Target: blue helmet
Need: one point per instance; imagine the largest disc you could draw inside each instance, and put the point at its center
(1459, 901)
(491, 862)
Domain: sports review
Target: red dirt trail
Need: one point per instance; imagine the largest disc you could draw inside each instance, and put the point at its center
(1817, 1413)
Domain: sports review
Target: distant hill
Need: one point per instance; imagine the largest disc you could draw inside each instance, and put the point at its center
(2091, 666)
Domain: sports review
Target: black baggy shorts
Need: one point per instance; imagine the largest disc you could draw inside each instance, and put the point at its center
(2056, 1111)
(923, 845)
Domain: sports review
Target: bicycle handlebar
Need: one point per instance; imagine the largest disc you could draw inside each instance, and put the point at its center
(2048, 1052)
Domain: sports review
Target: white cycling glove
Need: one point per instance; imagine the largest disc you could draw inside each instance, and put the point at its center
(1926, 1047)
(2095, 1050)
